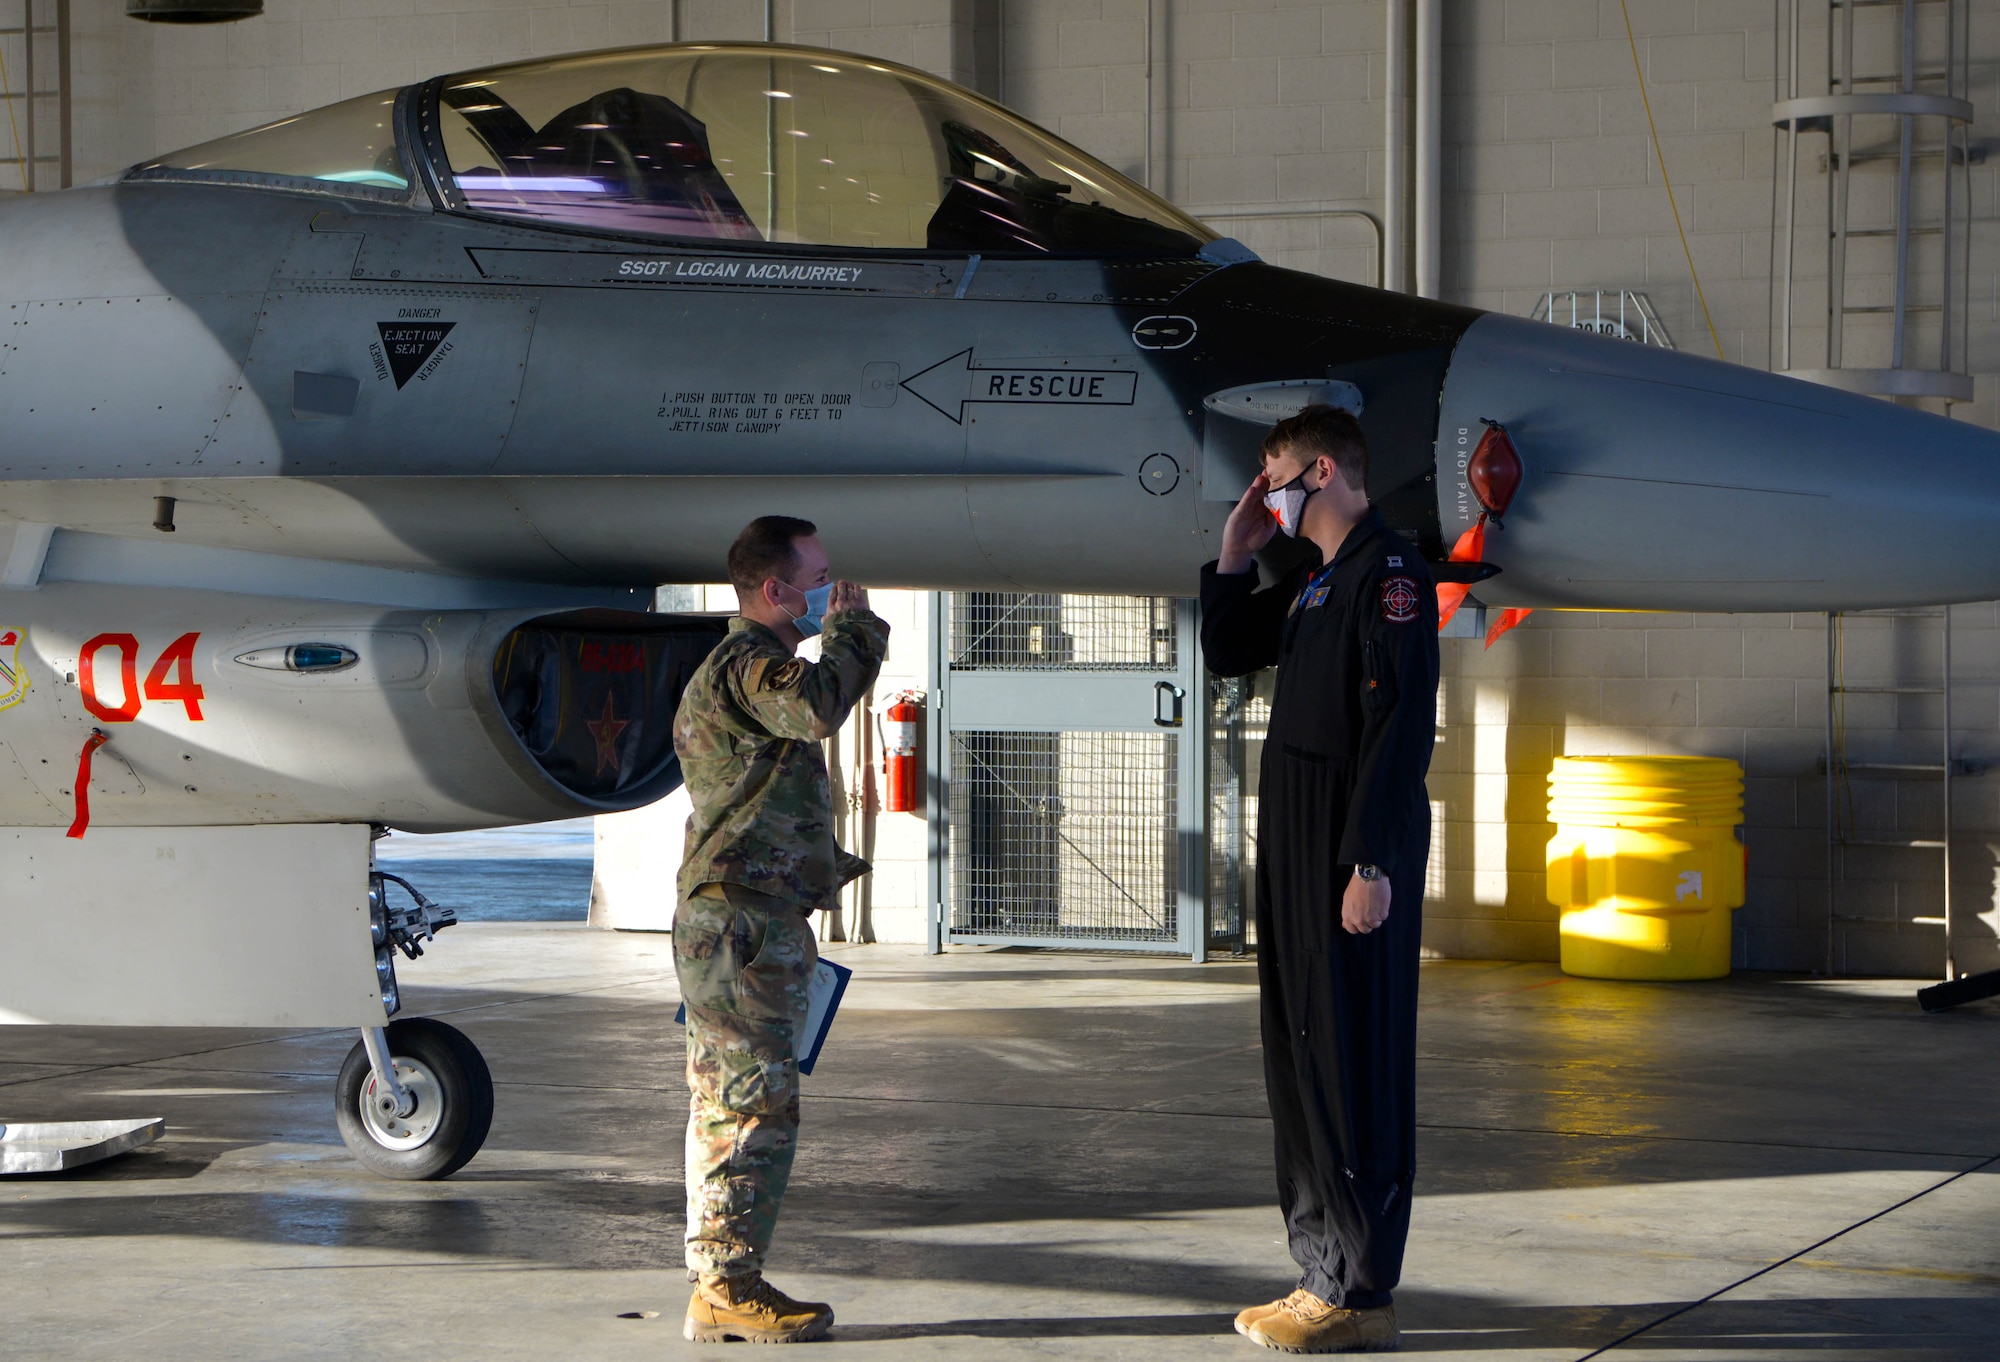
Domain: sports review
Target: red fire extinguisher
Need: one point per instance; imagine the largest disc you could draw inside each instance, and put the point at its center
(902, 765)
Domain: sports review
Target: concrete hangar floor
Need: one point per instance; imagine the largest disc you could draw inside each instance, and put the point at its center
(1011, 1154)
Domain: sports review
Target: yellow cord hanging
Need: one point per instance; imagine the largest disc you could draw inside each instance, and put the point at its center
(1640, 72)
(20, 156)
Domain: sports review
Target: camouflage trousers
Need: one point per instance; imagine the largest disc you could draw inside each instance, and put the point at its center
(745, 962)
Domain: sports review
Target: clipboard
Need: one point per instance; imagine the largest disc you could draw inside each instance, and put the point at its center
(829, 984)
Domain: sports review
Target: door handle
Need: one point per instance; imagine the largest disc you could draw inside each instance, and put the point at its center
(1167, 699)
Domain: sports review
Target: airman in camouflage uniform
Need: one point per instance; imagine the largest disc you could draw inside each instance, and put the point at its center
(760, 859)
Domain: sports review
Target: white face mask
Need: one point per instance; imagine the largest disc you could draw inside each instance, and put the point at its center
(1288, 504)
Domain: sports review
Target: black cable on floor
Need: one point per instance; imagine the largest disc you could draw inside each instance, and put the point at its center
(1773, 1267)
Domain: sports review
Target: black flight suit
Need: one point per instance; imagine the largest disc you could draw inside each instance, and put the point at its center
(1352, 724)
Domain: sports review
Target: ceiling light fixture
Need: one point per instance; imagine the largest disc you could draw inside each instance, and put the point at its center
(193, 11)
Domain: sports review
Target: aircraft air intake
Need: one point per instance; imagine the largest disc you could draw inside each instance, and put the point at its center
(201, 705)
(590, 696)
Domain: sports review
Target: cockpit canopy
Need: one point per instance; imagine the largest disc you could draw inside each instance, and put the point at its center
(744, 143)
(350, 145)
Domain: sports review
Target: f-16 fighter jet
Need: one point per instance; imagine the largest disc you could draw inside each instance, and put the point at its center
(340, 457)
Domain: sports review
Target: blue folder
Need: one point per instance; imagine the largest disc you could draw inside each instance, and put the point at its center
(829, 983)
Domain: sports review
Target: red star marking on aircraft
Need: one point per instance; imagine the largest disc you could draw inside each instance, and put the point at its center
(605, 729)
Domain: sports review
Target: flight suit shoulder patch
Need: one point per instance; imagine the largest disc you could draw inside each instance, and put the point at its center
(767, 673)
(1401, 601)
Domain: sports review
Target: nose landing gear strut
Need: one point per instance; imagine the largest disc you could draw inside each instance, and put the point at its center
(414, 1099)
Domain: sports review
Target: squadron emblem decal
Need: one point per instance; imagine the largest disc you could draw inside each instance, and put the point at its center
(1400, 601)
(12, 677)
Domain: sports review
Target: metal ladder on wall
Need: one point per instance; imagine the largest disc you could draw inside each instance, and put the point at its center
(1879, 304)
(1842, 773)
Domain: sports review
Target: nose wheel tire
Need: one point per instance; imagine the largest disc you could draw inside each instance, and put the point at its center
(446, 1075)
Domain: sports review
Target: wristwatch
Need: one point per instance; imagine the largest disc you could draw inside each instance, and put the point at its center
(1371, 873)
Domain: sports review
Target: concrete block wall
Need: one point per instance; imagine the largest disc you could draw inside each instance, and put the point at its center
(949, 38)
(1752, 688)
(1264, 108)
(900, 887)
(1255, 105)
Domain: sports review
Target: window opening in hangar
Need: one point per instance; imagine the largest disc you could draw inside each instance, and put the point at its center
(352, 143)
(785, 146)
(1081, 780)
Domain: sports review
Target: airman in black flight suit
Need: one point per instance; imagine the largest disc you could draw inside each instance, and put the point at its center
(1343, 837)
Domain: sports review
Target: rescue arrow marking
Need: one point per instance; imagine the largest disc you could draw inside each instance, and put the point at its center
(948, 386)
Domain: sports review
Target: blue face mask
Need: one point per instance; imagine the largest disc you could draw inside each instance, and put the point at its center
(809, 623)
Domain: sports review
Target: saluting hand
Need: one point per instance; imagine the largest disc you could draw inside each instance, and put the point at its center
(846, 596)
(1365, 905)
(1249, 527)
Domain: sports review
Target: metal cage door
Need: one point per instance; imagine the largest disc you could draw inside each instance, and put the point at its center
(1068, 769)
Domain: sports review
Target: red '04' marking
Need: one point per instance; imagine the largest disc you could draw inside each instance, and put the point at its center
(615, 658)
(128, 677)
(183, 688)
(178, 657)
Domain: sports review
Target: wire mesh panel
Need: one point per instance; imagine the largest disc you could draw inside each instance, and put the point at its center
(1017, 630)
(1074, 772)
(1239, 712)
(1071, 836)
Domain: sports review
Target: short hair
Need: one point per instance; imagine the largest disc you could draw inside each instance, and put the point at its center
(768, 547)
(1321, 429)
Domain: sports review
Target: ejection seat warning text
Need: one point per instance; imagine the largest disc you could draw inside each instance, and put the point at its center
(749, 412)
(410, 349)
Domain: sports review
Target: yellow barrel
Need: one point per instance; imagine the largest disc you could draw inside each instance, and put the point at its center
(1646, 864)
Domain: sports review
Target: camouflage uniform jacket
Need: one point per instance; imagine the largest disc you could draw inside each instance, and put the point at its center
(748, 734)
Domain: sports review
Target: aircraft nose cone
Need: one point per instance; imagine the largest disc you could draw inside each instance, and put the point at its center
(1664, 481)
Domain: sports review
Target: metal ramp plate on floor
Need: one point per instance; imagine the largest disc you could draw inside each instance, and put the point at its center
(52, 1146)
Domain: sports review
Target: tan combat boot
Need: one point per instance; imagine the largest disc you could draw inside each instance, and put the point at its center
(1256, 1312)
(751, 1310)
(1303, 1323)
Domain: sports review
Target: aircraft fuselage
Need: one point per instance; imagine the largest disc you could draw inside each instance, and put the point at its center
(325, 379)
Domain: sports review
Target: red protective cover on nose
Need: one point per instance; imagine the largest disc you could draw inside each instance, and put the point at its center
(1470, 548)
(1495, 471)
